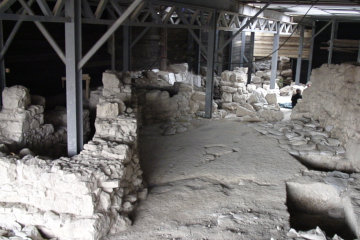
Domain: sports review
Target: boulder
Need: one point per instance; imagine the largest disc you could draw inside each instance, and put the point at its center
(271, 115)
(287, 73)
(228, 89)
(227, 97)
(109, 109)
(198, 96)
(111, 81)
(16, 97)
(232, 106)
(271, 98)
(179, 68)
(241, 112)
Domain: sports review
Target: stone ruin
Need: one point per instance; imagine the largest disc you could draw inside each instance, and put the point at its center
(86, 196)
(251, 102)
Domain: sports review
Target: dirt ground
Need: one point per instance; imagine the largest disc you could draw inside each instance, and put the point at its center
(219, 180)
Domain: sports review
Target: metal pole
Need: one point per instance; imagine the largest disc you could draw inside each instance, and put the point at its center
(126, 48)
(2, 64)
(73, 77)
(311, 51)
(230, 54)
(298, 63)
(219, 56)
(210, 67)
(274, 59)
(332, 37)
(242, 48)
(163, 43)
(113, 53)
(358, 58)
(250, 63)
(109, 32)
(198, 55)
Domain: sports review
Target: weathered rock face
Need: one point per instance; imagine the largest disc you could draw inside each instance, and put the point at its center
(84, 197)
(333, 100)
(16, 97)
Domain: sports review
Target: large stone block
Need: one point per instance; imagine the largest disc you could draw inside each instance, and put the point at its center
(16, 97)
(111, 81)
(109, 109)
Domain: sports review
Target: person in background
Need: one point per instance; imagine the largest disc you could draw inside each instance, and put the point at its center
(296, 97)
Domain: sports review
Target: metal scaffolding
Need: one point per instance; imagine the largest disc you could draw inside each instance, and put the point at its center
(140, 13)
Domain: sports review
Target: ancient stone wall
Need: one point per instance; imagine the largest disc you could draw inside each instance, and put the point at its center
(86, 196)
(333, 100)
(252, 102)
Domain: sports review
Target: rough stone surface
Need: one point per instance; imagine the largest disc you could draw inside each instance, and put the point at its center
(16, 97)
(332, 101)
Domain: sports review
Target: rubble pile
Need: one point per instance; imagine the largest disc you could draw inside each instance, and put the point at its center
(252, 102)
(22, 124)
(86, 196)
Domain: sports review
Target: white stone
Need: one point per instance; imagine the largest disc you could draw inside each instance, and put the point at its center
(271, 98)
(15, 97)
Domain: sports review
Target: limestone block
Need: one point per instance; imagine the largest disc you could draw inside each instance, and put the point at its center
(241, 112)
(111, 81)
(183, 87)
(172, 78)
(225, 76)
(121, 129)
(271, 98)
(231, 107)
(228, 89)
(251, 88)
(271, 115)
(109, 110)
(197, 80)
(226, 97)
(237, 97)
(198, 96)
(15, 97)
(256, 79)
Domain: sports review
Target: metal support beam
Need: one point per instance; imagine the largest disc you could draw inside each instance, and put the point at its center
(332, 38)
(230, 54)
(163, 48)
(44, 7)
(2, 65)
(274, 60)
(126, 48)
(5, 4)
(74, 105)
(210, 67)
(198, 55)
(143, 32)
(113, 52)
(358, 58)
(244, 26)
(251, 57)
(198, 41)
(13, 33)
(299, 59)
(220, 56)
(242, 49)
(109, 32)
(44, 32)
(311, 53)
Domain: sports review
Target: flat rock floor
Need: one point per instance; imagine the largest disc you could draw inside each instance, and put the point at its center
(219, 180)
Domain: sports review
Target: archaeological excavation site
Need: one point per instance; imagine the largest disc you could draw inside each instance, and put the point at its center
(179, 120)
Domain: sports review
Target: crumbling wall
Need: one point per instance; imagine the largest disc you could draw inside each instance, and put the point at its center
(86, 196)
(333, 100)
(252, 102)
(22, 124)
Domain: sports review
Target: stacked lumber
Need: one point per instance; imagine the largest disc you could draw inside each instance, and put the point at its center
(264, 45)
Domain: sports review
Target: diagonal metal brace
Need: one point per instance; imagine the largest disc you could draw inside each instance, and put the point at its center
(243, 27)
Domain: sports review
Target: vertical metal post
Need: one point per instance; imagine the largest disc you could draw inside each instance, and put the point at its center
(126, 48)
(113, 52)
(242, 48)
(358, 58)
(311, 51)
(332, 37)
(299, 59)
(210, 67)
(163, 57)
(219, 57)
(2, 64)
(251, 56)
(230, 53)
(74, 106)
(198, 67)
(274, 59)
